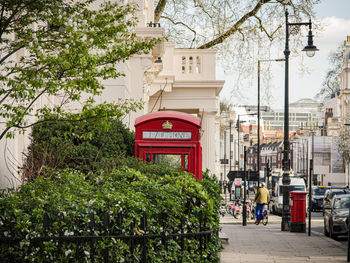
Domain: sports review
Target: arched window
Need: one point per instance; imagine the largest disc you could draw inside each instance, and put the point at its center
(191, 65)
(183, 67)
(198, 65)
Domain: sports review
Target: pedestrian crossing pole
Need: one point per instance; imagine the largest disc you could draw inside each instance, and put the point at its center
(310, 195)
(348, 259)
(244, 217)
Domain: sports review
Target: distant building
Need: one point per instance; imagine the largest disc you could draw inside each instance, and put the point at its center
(302, 114)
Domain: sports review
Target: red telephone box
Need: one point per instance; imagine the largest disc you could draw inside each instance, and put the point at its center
(170, 137)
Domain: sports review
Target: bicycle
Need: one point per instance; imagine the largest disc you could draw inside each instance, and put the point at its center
(252, 212)
(265, 219)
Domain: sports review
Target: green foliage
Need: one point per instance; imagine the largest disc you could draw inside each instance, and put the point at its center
(63, 49)
(84, 141)
(152, 189)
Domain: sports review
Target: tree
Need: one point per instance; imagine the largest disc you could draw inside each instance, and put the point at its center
(344, 145)
(242, 31)
(331, 83)
(59, 49)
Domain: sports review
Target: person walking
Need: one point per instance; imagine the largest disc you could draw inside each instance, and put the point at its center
(262, 197)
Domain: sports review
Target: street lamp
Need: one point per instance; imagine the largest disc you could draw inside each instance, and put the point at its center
(310, 51)
(258, 151)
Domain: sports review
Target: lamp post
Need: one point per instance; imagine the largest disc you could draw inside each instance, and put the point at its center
(258, 150)
(231, 140)
(310, 51)
(244, 217)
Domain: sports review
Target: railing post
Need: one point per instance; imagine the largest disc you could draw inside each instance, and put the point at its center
(131, 242)
(106, 226)
(92, 231)
(164, 239)
(77, 252)
(46, 224)
(144, 241)
(60, 232)
(200, 235)
(206, 235)
(182, 228)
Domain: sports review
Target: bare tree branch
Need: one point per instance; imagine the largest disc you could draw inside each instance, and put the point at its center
(235, 27)
(270, 36)
(159, 10)
(181, 23)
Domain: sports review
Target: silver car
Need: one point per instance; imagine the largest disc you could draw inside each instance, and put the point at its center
(336, 216)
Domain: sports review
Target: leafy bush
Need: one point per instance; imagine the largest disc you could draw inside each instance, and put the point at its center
(82, 145)
(134, 189)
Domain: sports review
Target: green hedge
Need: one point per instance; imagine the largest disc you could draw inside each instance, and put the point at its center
(134, 188)
(86, 145)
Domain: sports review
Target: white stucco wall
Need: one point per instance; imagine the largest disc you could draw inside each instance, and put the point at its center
(194, 92)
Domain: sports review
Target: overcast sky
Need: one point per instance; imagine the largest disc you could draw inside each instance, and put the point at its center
(335, 18)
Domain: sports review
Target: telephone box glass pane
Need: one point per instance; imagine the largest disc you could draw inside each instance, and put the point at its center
(148, 157)
(185, 161)
(172, 160)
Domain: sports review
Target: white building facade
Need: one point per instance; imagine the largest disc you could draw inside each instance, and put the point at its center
(166, 79)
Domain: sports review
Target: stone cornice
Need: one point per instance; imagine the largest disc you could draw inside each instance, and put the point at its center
(200, 84)
(149, 32)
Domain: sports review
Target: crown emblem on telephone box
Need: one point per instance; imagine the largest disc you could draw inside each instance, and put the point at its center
(167, 125)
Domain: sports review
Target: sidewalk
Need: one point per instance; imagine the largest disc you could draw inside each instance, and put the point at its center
(260, 243)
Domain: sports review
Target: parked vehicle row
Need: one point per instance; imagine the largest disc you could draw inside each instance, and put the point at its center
(336, 205)
(318, 194)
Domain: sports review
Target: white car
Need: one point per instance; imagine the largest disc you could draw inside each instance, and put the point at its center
(296, 184)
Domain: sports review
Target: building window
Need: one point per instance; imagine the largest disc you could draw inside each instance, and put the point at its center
(191, 65)
(198, 64)
(183, 65)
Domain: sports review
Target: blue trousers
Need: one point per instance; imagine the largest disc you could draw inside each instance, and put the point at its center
(259, 211)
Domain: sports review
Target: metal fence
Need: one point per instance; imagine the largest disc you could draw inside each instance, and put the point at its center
(137, 240)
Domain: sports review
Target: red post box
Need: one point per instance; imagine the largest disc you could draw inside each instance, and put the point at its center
(298, 211)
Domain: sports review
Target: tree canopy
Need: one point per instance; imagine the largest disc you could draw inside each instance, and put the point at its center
(242, 31)
(58, 50)
(331, 82)
(207, 23)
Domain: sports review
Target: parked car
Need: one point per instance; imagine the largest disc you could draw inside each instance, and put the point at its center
(336, 216)
(328, 195)
(317, 197)
(296, 184)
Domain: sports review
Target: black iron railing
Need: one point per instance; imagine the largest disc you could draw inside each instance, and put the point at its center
(137, 240)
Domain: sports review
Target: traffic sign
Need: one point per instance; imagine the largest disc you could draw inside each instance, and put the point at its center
(238, 181)
(251, 175)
